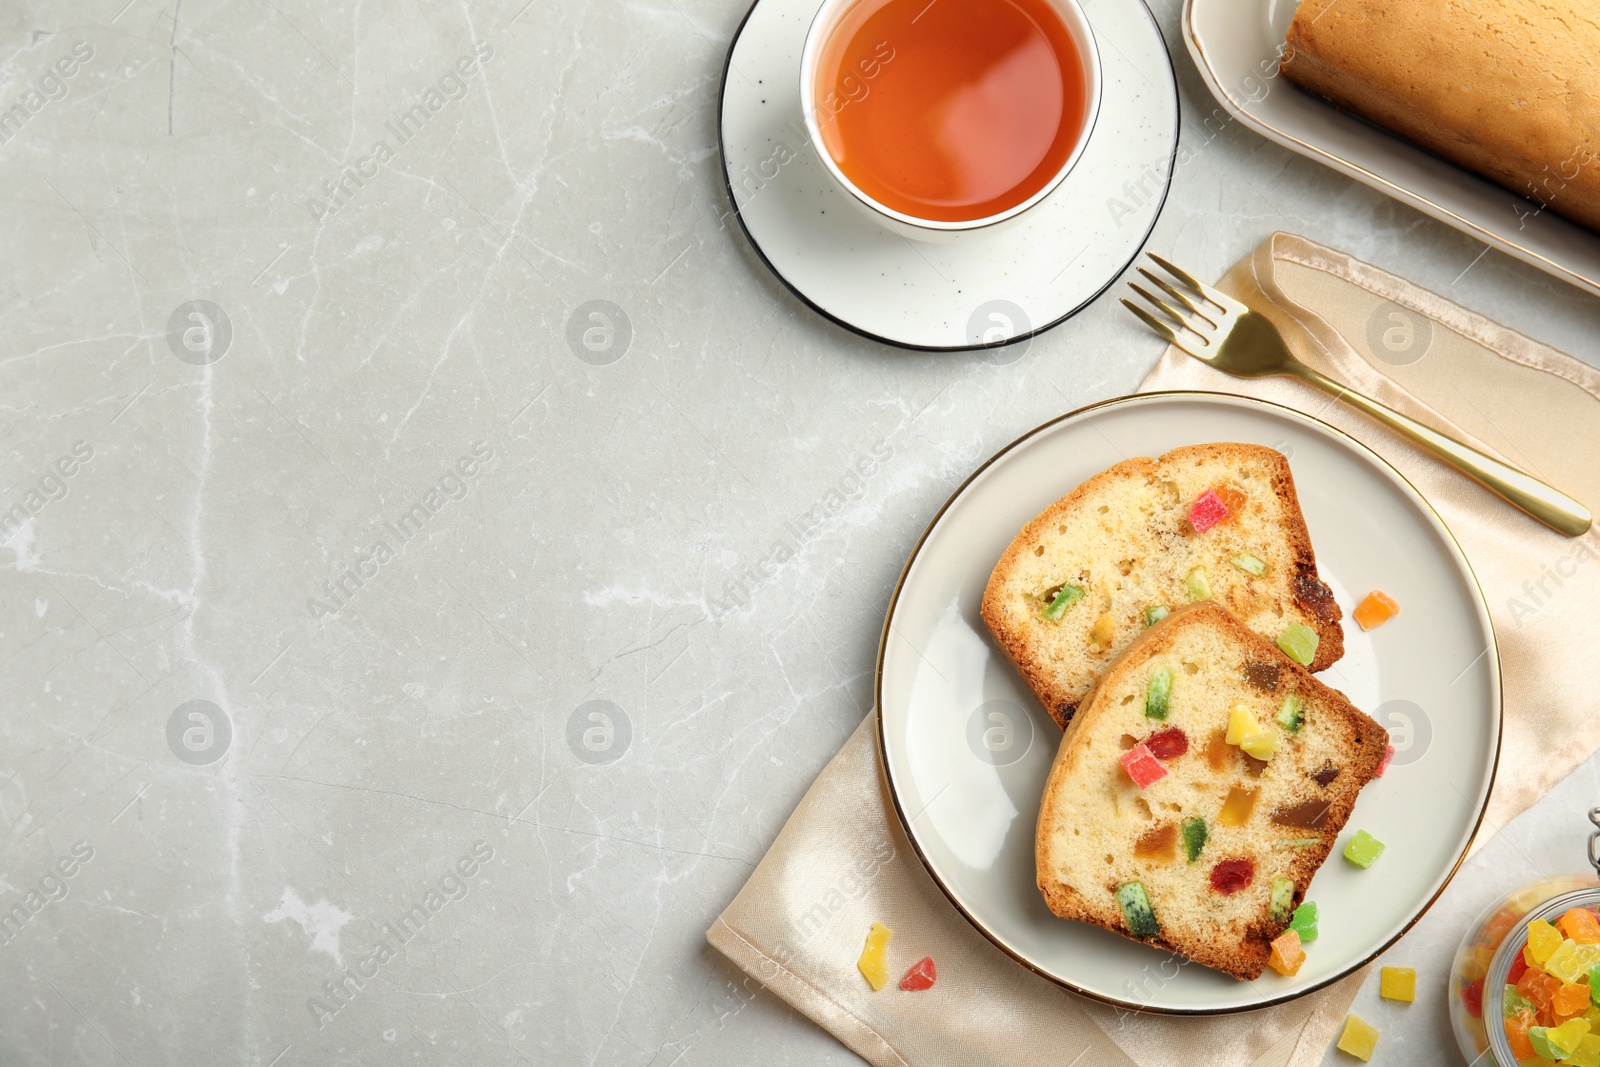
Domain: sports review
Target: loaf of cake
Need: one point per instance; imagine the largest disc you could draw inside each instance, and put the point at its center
(1200, 786)
(1217, 522)
(1507, 88)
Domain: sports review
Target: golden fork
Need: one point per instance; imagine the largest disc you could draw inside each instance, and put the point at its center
(1232, 338)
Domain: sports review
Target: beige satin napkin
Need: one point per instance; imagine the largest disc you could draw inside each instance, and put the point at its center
(842, 862)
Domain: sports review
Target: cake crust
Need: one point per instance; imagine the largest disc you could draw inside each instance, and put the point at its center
(1147, 501)
(1092, 814)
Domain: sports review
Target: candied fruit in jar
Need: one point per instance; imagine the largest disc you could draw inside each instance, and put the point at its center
(1517, 1033)
(1580, 925)
(1472, 998)
(874, 961)
(1230, 876)
(1570, 1000)
(1587, 1054)
(1543, 940)
(1287, 955)
(1377, 609)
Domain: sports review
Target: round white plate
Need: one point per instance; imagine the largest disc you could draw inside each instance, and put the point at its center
(966, 748)
(977, 289)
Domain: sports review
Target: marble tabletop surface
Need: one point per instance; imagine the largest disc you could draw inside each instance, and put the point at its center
(264, 321)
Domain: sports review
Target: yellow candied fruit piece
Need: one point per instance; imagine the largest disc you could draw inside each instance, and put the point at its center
(1237, 808)
(1104, 631)
(1568, 1034)
(1359, 1038)
(1398, 983)
(1262, 744)
(1571, 962)
(874, 961)
(1241, 724)
(1543, 940)
(1587, 1054)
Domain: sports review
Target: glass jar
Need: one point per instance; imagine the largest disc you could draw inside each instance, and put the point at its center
(1494, 943)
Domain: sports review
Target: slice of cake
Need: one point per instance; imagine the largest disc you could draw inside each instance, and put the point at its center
(1217, 522)
(1200, 786)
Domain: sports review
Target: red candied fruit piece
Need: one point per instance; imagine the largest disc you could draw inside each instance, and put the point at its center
(921, 976)
(1230, 876)
(1142, 766)
(1519, 967)
(1388, 754)
(1168, 744)
(1472, 998)
(1206, 511)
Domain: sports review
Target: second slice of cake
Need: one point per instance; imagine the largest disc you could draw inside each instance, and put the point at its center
(1202, 783)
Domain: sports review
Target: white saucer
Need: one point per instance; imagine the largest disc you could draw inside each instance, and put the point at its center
(978, 289)
(966, 748)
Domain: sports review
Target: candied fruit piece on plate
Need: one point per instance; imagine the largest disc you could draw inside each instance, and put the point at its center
(1378, 608)
(1287, 955)
(1363, 849)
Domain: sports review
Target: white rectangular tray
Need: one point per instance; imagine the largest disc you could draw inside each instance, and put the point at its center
(1236, 44)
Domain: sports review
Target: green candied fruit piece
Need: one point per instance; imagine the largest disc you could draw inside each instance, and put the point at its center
(1136, 911)
(1363, 849)
(1304, 922)
(1282, 902)
(1540, 1037)
(1154, 614)
(1198, 585)
(1594, 985)
(1512, 1002)
(1299, 643)
(1250, 563)
(1292, 715)
(1064, 599)
(1158, 694)
(1194, 837)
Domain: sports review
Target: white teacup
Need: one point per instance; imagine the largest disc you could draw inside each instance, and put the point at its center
(827, 20)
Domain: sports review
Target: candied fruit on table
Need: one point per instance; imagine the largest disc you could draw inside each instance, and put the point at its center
(1207, 510)
(1377, 609)
(1142, 766)
(1363, 849)
(1287, 955)
(874, 961)
(921, 976)
(1398, 983)
(1359, 1037)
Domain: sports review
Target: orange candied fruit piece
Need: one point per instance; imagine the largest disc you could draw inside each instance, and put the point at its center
(1287, 955)
(1571, 999)
(1581, 925)
(1378, 608)
(1517, 1034)
(1233, 498)
(1539, 988)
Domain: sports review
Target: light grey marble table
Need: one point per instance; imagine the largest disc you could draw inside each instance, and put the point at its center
(298, 433)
